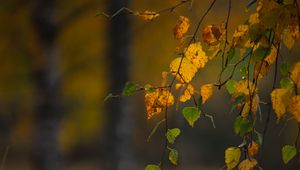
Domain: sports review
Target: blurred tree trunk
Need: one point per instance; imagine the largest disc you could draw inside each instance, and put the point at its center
(48, 100)
(119, 150)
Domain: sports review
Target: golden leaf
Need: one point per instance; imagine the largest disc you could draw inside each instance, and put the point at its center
(188, 92)
(261, 69)
(206, 92)
(295, 74)
(241, 36)
(212, 33)
(294, 107)
(253, 149)
(246, 108)
(186, 72)
(247, 164)
(196, 55)
(178, 86)
(244, 86)
(291, 36)
(280, 99)
(181, 27)
(253, 18)
(271, 58)
(232, 157)
(157, 100)
(148, 15)
(164, 76)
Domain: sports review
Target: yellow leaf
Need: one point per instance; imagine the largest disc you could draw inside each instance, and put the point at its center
(164, 76)
(253, 149)
(241, 36)
(206, 92)
(253, 18)
(247, 164)
(295, 74)
(271, 58)
(261, 69)
(186, 72)
(196, 55)
(157, 100)
(212, 34)
(148, 15)
(178, 86)
(291, 36)
(243, 87)
(232, 157)
(246, 108)
(188, 92)
(181, 27)
(280, 99)
(294, 107)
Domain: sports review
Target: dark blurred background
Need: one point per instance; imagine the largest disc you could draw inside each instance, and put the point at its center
(59, 61)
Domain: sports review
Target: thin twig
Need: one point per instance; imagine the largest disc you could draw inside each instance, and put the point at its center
(4, 157)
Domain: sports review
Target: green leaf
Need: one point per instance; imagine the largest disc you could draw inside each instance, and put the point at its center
(244, 71)
(259, 138)
(255, 32)
(172, 134)
(191, 114)
(251, 3)
(230, 55)
(230, 86)
(173, 156)
(288, 153)
(152, 167)
(129, 89)
(286, 83)
(237, 101)
(260, 53)
(232, 157)
(242, 126)
(285, 68)
(149, 88)
(154, 129)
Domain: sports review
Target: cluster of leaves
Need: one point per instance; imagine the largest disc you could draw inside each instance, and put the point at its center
(258, 41)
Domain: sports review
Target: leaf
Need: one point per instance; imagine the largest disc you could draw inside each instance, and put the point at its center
(230, 86)
(173, 156)
(288, 153)
(294, 107)
(280, 99)
(148, 15)
(187, 94)
(172, 134)
(286, 83)
(260, 53)
(295, 74)
(154, 129)
(191, 114)
(242, 126)
(285, 68)
(231, 54)
(181, 27)
(152, 167)
(187, 70)
(158, 100)
(241, 36)
(259, 139)
(253, 149)
(291, 36)
(129, 89)
(206, 92)
(212, 34)
(196, 55)
(238, 100)
(232, 157)
(251, 3)
(255, 32)
(248, 164)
